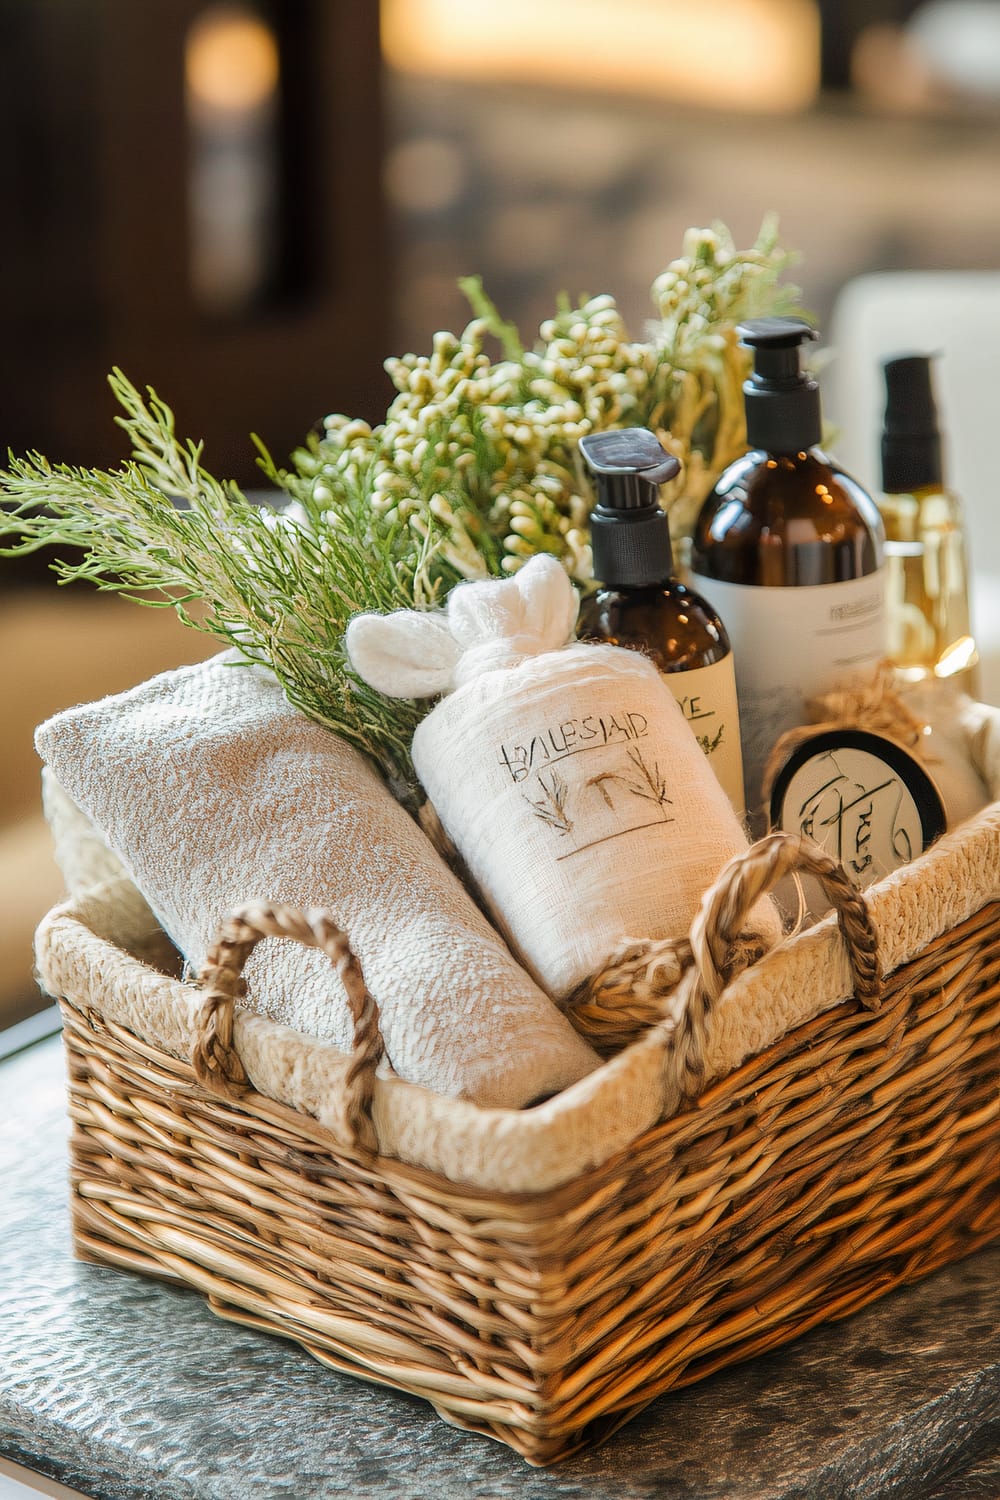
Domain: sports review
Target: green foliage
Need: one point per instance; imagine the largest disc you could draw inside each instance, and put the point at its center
(474, 470)
(486, 450)
(279, 587)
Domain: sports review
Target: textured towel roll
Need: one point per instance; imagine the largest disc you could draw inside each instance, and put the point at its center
(566, 775)
(212, 790)
(84, 859)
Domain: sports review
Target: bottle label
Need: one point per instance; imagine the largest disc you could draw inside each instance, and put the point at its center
(708, 698)
(790, 644)
(861, 797)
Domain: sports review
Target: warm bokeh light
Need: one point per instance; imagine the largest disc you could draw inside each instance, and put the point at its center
(760, 55)
(231, 62)
(958, 658)
(232, 68)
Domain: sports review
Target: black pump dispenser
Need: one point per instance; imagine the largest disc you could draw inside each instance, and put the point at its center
(782, 401)
(629, 533)
(911, 439)
(639, 604)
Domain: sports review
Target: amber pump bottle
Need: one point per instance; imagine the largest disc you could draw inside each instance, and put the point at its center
(642, 606)
(926, 563)
(791, 550)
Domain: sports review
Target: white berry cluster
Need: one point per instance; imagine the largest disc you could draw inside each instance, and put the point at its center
(477, 457)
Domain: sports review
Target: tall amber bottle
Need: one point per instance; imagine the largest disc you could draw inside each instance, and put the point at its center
(790, 548)
(642, 606)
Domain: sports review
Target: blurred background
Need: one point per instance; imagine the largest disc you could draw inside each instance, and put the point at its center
(249, 205)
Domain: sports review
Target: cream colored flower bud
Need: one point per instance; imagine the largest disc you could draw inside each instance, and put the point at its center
(544, 388)
(440, 508)
(578, 557)
(517, 546)
(579, 513)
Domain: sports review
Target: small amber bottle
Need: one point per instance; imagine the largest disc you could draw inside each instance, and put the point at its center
(641, 605)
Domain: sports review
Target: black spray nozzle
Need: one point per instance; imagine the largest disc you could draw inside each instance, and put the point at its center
(629, 533)
(782, 400)
(911, 439)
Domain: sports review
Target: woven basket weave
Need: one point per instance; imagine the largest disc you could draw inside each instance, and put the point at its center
(857, 1153)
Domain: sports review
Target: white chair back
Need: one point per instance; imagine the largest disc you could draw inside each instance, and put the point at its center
(955, 315)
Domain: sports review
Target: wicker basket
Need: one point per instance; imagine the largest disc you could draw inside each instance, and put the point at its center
(856, 1153)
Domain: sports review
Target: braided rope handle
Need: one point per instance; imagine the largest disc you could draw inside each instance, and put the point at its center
(683, 1028)
(215, 1061)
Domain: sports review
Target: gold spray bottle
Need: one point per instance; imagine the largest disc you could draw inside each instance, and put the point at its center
(927, 591)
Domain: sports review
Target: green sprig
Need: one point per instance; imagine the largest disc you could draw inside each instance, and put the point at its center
(162, 531)
(474, 470)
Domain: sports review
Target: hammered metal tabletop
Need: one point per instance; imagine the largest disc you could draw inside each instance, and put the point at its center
(129, 1389)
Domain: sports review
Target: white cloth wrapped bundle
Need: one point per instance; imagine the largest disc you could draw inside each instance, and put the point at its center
(212, 790)
(566, 775)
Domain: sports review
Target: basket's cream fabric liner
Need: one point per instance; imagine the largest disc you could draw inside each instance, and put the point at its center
(537, 1149)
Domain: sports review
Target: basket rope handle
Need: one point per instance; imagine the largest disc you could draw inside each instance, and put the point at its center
(215, 1061)
(716, 927)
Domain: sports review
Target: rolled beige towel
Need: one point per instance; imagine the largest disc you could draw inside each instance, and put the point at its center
(212, 790)
(84, 859)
